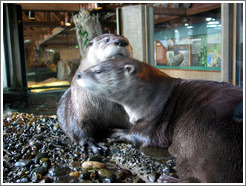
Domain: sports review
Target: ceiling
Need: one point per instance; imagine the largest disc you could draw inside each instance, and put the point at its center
(48, 27)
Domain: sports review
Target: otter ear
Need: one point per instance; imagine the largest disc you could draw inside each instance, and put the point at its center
(129, 68)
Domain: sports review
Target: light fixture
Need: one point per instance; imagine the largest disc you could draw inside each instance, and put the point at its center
(208, 18)
(31, 15)
(97, 6)
(213, 23)
(68, 20)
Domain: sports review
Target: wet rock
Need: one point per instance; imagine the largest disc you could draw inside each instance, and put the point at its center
(93, 175)
(46, 164)
(107, 180)
(39, 156)
(111, 165)
(93, 165)
(166, 170)
(75, 164)
(40, 170)
(59, 171)
(23, 163)
(156, 153)
(167, 179)
(115, 150)
(47, 180)
(28, 156)
(42, 160)
(120, 174)
(105, 173)
(95, 158)
(35, 144)
(153, 177)
(87, 181)
(84, 174)
(75, 174)
(64, 179)
(36, 176)
(24, 180)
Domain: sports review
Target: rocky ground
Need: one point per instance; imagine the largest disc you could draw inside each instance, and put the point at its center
(35, 150)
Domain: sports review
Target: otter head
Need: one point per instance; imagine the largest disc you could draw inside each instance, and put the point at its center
(107, 46)
(109, 79)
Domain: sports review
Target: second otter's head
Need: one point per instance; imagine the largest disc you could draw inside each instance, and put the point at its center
(108, 78)
(107, 46)
(115, 78)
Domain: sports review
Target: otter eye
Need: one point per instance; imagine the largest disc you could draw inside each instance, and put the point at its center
(107, 40)
(90, 43)
(98, 71)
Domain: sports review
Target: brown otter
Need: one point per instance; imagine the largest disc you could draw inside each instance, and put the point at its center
(83, 116)
(200, 122)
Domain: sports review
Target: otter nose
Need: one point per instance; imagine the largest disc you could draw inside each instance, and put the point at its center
(121, 42)
(79, 75)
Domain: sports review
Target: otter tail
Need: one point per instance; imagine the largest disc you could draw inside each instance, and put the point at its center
(238, 113)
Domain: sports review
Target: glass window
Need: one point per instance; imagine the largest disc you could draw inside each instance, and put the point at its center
(189, 42)
(51, 49)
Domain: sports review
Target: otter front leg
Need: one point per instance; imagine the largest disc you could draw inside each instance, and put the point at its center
(119, 135)
(123, 135)
(84, 136)
(94, 146)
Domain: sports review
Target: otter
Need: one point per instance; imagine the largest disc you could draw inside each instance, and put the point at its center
(199, 121)
(85, 117)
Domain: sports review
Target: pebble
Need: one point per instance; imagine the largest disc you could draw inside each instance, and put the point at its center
(156, 153)
(23, 163)
(167, 179)
(105, 173)
(75, 174)
(92, 165)
(95, 158)
(152, 177)
(59, 171)
(84, 174)
(40, 170)
(39, 156)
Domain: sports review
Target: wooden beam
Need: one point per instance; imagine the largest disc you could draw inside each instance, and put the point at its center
(195, 9)
(34, 38)
(202, 7)
(56, 44)
(170, 11)
(66, 7)
(164, 19)
(42, 24)
(34, 32)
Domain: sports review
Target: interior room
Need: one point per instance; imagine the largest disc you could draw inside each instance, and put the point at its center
(44, 46)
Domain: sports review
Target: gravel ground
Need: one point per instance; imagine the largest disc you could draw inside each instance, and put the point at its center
(35, 150)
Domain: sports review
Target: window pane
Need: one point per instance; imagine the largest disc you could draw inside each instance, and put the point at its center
(51, 49)
(189, 42)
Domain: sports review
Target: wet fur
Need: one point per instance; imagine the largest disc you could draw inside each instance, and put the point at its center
(200, 122)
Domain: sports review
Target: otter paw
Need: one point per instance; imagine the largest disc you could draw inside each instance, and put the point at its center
(97, 148)
(118, 135)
